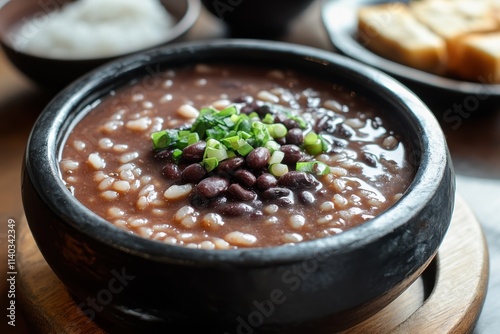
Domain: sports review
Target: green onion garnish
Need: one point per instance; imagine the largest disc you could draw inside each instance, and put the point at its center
(210, 163)
(272, 146)
(278, 169)
(315, 167)
(229, 133)
(176, 155)
(276, 157)
(277, 130)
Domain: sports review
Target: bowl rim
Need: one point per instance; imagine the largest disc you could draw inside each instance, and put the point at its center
(181, 27)
(44, 147)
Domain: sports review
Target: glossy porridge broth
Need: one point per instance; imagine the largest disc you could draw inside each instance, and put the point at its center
(329, 159)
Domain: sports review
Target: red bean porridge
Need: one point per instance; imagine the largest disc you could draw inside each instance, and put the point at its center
(109, 164)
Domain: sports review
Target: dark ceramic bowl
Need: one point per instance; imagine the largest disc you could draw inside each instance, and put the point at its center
(256, 18)
(54, 73)
(314, 286)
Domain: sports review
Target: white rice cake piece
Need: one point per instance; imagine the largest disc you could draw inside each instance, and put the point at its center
(391, 31)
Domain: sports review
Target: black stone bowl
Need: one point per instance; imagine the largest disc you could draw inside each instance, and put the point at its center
(314, 286)
(256, 18)
(55, 73)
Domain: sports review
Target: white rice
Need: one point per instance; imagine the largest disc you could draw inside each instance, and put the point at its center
(96, 28)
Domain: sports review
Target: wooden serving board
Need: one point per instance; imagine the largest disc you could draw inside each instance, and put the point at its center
(447, 298)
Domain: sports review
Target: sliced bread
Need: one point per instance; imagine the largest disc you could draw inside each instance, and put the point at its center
(391, 31)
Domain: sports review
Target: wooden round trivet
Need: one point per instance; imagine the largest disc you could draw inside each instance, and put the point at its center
(447, 298)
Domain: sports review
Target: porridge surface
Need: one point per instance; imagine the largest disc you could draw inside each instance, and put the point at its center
(109, 164)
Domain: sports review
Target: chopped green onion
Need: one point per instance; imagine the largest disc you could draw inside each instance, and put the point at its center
(277, 130)
(229, 133)
(231, 142)
(176, 155)
(244, 134)
(311, 138)
(314, 148)
(231, 110)
(268, 119)
(324, 144)
(278, 169)
(316, 167)
(210, 163)
(253, 115)
(193, 137)
(276, 157)
(244, 125)
(245, 149)
(164, 139)
(260, 133)
(272, 146)
(218, 153)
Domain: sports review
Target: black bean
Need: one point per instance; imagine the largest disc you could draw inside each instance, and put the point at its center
(342, 131)
(297, 180)
(263, 110)
(194, 152)
(164, 154)
(377, 122)
(256, 214)
(369, 158)
(279, 118)
(245, 177)
(241, 193)
(212, 186)
(275, 193)
(266, 181)
(295, 136)
(281, 196)
(334, 145)
(256, 204)
(171, 171)
(243, 99)
(249, 107)
(281, 141)
(218, 202)
(257, 158)
(327, 123)
(198, 201)
(285, 201)
(292, 154)
(236, 209)
(321, 124)
(230, 165)
(194, 173)
(307, 197)
(291, 123)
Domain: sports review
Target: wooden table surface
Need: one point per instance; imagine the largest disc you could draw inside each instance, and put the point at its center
(474, 144)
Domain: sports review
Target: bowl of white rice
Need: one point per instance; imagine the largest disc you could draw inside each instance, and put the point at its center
(54, 42)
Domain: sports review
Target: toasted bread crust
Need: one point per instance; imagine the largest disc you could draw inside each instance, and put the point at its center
(392, 32)
(453, 37)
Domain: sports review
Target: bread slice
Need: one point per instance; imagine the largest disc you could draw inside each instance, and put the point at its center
(495, 6)
(452, 19)
(478, 57)
(391, 31)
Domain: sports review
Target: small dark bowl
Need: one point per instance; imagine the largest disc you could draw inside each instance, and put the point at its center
(314, 286)
(54, 73)
(256, 18)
